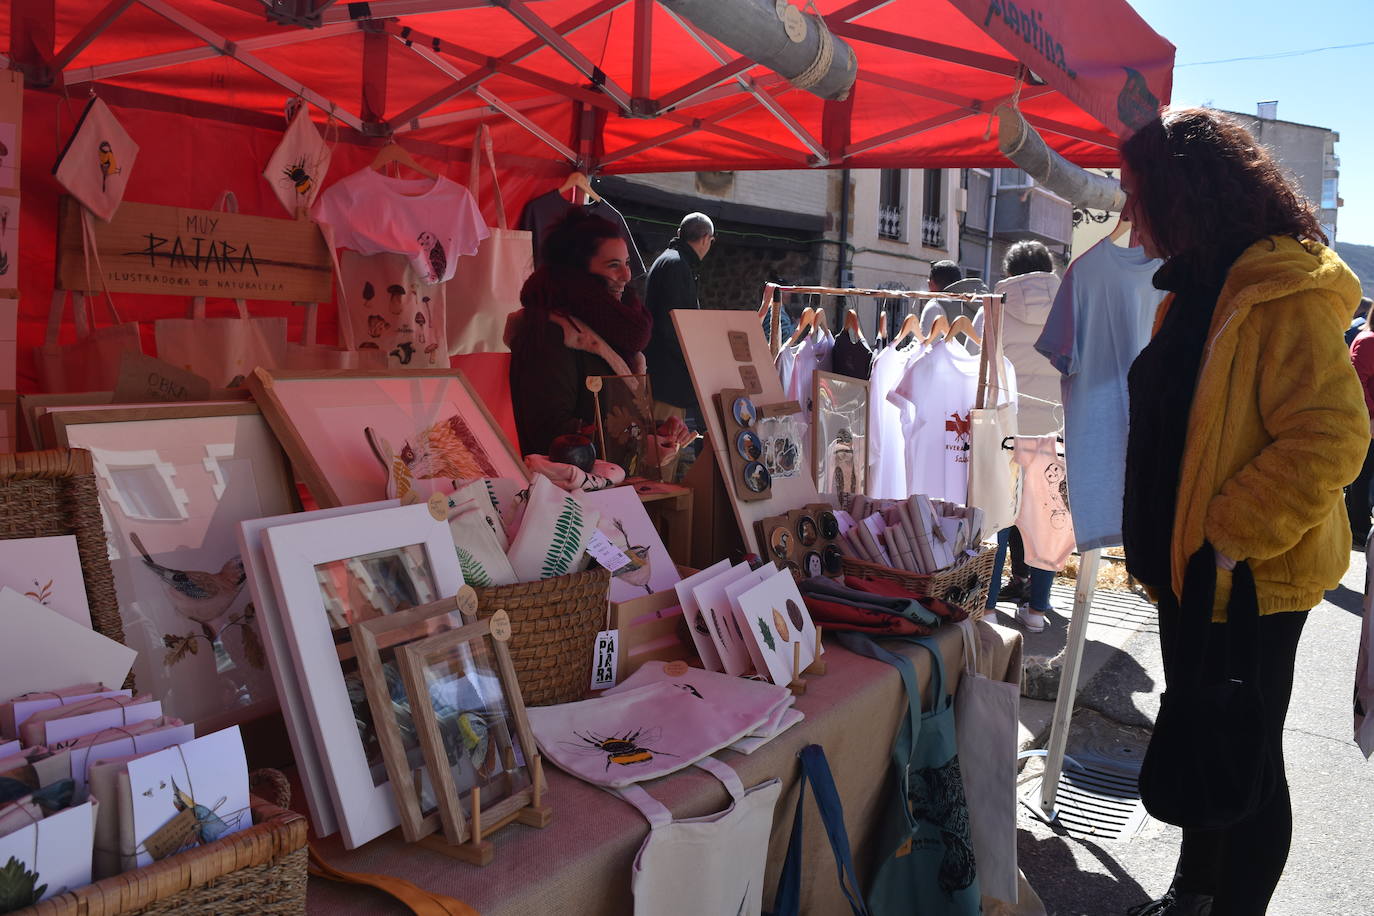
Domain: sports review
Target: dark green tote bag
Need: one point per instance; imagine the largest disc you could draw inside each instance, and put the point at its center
(927, 864)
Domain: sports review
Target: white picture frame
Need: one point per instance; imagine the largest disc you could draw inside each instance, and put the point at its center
(365, 805)
(285, 677)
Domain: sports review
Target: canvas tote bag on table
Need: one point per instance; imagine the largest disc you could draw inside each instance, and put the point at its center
(993, 477)
(485, 288)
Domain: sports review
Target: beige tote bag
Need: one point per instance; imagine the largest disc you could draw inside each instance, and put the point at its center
(993, 478)
(485, 288)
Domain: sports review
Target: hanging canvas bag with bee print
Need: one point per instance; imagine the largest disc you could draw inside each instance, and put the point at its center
(298, 166)
(98, 160)
(642, 734)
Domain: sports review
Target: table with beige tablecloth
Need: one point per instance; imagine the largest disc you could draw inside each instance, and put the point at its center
(580, 863)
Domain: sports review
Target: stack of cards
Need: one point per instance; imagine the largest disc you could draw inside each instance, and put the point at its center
(917, 534)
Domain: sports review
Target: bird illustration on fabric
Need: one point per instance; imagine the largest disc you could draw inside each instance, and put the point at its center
(438, 261)
(199, 596)
(108, 165)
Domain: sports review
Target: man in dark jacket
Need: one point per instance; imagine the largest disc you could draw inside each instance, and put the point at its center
(672, 284)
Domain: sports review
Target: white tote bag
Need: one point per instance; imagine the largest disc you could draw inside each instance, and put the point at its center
(986, 716)
(485, 288)
(711, 864)
(993, 478)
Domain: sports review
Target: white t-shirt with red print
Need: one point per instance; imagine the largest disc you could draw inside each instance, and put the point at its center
(936, 394)
(432, 222)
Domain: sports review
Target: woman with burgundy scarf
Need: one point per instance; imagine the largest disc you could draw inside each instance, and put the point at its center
(580, 318)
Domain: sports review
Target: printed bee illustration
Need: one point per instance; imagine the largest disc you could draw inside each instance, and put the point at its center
(297, 175)
(622, 750)
(108, 165)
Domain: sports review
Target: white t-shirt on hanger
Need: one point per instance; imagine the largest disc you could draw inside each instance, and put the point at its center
(432, 222)
(941, 388)
(886, 440)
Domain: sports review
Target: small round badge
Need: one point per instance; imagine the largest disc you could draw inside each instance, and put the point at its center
(748, 445)
(780, 542)
(806, 531)
(744, 412)
(830, 526)
(438, 506)
(756, 477)
(833, 560)
(675, 669)
(811, 564)
(500, 626)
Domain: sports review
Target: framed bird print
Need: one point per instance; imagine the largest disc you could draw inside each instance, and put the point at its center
(458, 695)
(174, 483)
(356, 437)
(329, 576)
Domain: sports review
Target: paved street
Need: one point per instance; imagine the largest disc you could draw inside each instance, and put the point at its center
(1331, 783)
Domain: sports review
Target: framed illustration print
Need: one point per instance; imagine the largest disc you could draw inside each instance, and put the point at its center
(285, 677)
(474, 731)
(360, 436)
(627, 525)
(329, 576)
(839, 434)
(174, 482)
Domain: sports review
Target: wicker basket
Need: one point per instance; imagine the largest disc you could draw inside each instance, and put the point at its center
(53, 492)
(256, 872)
(554, 623)
(965, 583)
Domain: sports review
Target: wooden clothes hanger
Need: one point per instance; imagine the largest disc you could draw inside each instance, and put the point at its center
(882, 325)
(808, 319)
(578, 181)
(821, 319)
(851, 324)
(1123, 226)
(939, 328)
(963, 325)
(393, 152)
(909, 331)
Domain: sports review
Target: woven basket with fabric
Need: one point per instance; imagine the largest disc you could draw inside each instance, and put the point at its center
(965, 583)
(553, 623)
(255, 872)
(53, 492)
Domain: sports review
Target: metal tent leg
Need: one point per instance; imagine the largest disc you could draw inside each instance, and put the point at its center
(1068, 681)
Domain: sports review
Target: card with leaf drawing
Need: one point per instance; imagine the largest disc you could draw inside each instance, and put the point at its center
(777, 620)
(47, 858)
(48, 570)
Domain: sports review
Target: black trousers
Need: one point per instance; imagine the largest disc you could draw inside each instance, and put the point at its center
(1241, 865)
(1358, 497)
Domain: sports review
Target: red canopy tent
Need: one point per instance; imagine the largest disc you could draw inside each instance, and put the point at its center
(610, 86)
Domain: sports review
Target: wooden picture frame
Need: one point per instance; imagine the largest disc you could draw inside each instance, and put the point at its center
(371, 639)
(303, 559)
(467, 837)
(174, 482)
(323, 421)
(839, 405)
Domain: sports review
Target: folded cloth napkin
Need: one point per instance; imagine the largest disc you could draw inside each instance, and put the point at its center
(890, 589)
(902, 606)
(835, 615)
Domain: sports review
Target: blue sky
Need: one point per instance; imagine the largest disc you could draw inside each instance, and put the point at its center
(1327, 88)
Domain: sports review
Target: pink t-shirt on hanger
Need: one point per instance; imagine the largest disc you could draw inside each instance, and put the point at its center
(432, 222)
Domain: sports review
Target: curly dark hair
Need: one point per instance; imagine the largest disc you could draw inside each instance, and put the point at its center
(1203, 183)
(573, 240)
(1027, 256)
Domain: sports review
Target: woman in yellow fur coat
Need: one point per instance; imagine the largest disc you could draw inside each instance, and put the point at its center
(1246, 420)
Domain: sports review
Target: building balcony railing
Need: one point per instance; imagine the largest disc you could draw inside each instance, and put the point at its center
(890, 223)
(933, 232)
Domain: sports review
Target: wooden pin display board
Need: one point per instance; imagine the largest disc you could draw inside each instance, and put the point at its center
(149, 248)
(706, 345)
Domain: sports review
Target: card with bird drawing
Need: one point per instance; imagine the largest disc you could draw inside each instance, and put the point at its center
(367, 435)
(186, 795)
(697, 625)
(48, 570)
(322, 571)
(778, 620)
(627, 525)
(174, 483)
(466, 707)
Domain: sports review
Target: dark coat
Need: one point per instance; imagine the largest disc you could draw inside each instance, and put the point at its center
(672, 284)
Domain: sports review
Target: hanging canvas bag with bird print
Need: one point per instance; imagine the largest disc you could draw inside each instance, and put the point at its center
(98, 160)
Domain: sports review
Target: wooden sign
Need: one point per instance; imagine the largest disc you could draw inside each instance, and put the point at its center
(145, 378)
(173, 251)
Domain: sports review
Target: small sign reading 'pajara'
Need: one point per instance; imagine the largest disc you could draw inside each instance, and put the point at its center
(604, 659)
(606, 553)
